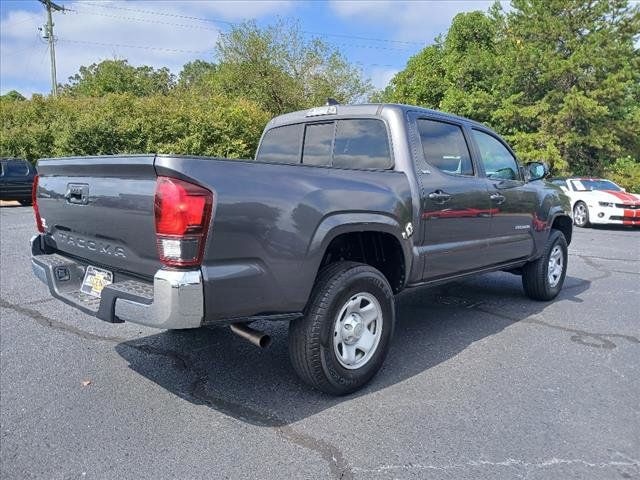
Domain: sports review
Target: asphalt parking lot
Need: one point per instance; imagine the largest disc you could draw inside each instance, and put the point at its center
(480, 383)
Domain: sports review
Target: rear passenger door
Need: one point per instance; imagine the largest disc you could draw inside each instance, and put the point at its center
(455, 206)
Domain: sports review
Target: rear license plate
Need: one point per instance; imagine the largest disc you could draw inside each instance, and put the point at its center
(95, 279)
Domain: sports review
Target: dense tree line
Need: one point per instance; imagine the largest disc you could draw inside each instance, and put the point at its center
(559, 78)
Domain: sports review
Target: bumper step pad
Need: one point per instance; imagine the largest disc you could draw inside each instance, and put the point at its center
(64, 277)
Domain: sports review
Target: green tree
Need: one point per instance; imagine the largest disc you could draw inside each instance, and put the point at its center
(457, 73)
(195, 73)
(283, 71)
(572, 68)
(559, 78)
(625, 172)
(118, 76)
(183, 123)
(421, 82)
(13, 95)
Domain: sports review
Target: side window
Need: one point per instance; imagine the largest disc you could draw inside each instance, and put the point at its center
(281, 145)
(444, 147)
(497, 160)
(318, 138)
(361, 144)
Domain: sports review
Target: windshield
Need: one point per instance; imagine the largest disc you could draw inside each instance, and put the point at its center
(588, 185)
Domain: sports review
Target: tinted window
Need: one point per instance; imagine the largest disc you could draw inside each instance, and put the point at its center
(497, 160)
(444, 147)
(318, 138)
(15, 168)
(361, 144)
(281, 144)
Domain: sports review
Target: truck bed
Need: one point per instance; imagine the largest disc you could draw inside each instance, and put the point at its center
(266, 236)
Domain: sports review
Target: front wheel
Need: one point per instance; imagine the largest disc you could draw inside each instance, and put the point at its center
(343, 339)
(581, 214)
(542, 279)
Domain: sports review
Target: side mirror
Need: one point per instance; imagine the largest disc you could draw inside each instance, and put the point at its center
(536, 171)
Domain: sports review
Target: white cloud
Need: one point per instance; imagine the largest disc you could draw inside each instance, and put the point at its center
(415, 21)
(96, 31)
(380, 77)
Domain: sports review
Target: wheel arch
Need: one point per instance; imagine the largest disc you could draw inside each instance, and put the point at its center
(563, 223)
(375, 231)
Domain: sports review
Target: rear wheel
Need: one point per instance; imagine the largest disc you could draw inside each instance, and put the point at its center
(343, 339)
(581, 214)
(542, 279)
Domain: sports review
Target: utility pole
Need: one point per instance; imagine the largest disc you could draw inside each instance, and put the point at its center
(50, 6)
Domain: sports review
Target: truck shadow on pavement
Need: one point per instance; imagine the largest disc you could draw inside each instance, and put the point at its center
(213, 367)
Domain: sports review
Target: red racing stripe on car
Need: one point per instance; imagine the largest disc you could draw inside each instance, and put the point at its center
(631, 217)
(625, 197)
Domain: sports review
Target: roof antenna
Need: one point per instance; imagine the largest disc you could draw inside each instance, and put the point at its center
(332, 101)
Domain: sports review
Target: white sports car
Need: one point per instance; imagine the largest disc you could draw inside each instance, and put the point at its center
(599, 201)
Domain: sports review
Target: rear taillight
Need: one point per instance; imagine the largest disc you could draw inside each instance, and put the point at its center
(183, 212)
(34, 202)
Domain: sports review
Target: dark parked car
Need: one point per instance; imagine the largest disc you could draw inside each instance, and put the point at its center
(16, 180)
(343, 207)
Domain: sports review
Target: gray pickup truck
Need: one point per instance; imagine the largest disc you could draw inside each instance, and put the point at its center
(343, 207)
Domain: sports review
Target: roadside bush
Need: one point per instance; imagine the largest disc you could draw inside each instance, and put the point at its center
(626, 173)
(180, 123)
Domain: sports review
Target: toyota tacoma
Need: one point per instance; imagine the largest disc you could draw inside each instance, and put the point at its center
(343, 207)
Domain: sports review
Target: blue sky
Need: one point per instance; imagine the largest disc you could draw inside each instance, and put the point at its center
(171, 33)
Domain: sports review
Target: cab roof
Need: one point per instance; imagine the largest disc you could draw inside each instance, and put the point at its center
(373, 109)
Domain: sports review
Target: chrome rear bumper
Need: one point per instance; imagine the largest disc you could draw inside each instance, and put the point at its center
(174, 300)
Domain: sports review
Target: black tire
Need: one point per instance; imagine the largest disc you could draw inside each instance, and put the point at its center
(311, 344)
(577, 216)
(25, 203)
(535, 275)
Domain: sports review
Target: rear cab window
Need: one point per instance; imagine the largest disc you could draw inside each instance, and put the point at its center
(281, 145)
(318, 143)
(343, 143)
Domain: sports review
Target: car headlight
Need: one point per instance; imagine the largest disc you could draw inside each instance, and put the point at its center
(607, 204)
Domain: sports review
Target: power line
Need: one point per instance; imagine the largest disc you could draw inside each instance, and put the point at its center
(213, 20)
(163, 14)
(146, 20)
(191, 27)
(143, 47)
(178, 50)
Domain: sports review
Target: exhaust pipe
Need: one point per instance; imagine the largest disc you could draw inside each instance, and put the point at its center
(258, 338)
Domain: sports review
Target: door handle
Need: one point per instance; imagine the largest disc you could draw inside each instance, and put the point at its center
(497, 197)
(439, 196)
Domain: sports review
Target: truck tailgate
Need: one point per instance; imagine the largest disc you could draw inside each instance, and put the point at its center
(101, 209)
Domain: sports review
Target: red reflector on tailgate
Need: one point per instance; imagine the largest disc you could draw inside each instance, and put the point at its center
(34, 202)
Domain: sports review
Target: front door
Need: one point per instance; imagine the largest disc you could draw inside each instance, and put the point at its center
(455, 205)
(513, 202)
